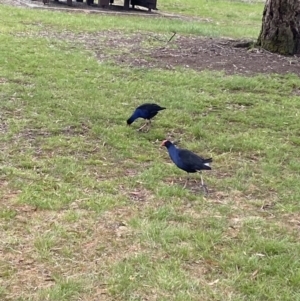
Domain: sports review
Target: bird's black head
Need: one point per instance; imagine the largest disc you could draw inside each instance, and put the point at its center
(166, 143)
(128, 121)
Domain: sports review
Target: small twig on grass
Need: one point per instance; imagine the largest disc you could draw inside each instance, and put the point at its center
(174, 33)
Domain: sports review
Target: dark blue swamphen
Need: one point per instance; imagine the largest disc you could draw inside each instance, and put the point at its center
(187, 161)
(146, 111)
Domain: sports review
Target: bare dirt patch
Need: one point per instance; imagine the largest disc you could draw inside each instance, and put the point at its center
(149, 50)
(209, 54)
(220, 54)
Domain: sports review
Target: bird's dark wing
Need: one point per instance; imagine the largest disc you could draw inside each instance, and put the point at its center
(150, 107)
(191, 160)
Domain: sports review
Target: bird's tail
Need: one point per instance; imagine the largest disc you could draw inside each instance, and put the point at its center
(206, 164)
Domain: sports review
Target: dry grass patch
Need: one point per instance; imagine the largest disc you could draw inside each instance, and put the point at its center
(72, 244)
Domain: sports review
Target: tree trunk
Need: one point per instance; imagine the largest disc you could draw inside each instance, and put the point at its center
(280, 30)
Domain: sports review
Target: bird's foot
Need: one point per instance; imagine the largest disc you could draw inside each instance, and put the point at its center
(143, 126)
(143, 129)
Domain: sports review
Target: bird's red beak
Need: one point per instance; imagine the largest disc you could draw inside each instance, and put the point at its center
(163, 143)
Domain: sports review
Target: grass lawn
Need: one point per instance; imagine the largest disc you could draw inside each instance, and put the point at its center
(91, 209)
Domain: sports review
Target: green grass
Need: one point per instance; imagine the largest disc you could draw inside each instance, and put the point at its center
(219, 10)
(94, 210)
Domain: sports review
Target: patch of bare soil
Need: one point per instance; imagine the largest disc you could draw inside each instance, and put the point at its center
(154, 51)
(222, 55)
(211, 54)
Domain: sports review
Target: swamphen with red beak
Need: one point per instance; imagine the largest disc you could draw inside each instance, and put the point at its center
(146, 111)
(187, 160)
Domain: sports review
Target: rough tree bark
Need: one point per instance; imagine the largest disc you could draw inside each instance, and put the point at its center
(280, 30)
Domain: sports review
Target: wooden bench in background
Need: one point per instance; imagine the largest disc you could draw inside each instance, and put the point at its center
(150, 4)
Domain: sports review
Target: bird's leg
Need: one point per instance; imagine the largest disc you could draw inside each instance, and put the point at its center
(187, 179)
(203, 185)
(143, 126)
(149, 124)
